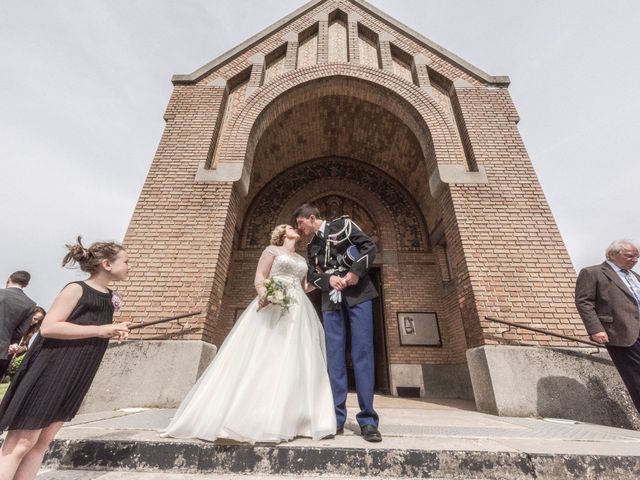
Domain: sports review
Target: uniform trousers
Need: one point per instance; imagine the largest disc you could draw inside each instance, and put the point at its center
(361, 325)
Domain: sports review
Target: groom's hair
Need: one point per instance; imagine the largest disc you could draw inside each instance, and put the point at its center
(305, 211)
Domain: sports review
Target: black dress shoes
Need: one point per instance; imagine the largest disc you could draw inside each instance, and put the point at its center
(370, 433)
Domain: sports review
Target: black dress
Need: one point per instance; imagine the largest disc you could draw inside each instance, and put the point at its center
(55, 375)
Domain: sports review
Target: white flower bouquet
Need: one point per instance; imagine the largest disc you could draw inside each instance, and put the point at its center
(277, 292)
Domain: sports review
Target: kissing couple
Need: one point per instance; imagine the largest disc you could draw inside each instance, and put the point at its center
(281, 373)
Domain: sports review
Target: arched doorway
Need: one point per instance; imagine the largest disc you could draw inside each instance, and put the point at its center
(380, 205)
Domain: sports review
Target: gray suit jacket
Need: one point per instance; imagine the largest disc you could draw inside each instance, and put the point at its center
(16, 310)
(605, 304)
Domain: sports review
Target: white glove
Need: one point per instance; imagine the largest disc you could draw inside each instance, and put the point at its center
(335, 296)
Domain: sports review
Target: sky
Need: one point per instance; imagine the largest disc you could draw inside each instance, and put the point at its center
(84, 85)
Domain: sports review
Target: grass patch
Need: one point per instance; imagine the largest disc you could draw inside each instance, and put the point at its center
(3, 389)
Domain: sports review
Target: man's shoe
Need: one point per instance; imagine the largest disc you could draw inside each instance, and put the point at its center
(340, 431)
(370, 433)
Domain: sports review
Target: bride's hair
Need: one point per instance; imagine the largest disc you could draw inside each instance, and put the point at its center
(277, 235)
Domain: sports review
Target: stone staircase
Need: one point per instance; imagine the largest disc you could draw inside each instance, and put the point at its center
(445, 440)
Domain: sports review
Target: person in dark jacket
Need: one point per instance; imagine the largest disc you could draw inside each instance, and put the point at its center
(608, 300)
(16, 310)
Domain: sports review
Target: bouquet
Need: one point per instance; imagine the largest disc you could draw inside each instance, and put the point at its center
(277, 292)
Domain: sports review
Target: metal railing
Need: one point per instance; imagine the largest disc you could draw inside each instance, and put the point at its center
(136, 326)
(545, 332)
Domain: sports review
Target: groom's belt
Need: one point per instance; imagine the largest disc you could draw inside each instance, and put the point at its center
(331, 271)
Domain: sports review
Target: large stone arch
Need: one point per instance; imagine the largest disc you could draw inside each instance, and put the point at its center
(410, 103)
(402, 226)
(393, 212)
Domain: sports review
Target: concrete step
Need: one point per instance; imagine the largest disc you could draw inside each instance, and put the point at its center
(101, 475)
(422, 439)
(201, 457)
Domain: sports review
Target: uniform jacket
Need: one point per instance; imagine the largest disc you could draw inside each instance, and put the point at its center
(606, 304)
(325, 258)
(16, 310)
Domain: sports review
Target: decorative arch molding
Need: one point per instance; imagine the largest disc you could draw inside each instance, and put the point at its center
(399, 225)
(411, 104)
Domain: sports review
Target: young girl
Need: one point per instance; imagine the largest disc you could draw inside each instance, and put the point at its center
(58, 369)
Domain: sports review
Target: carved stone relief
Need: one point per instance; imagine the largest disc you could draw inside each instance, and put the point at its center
(266, 207)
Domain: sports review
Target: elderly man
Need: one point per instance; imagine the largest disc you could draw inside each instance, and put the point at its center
(16, 310)
(608, 300)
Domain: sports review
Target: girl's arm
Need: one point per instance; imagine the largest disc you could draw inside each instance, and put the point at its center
(55, 323)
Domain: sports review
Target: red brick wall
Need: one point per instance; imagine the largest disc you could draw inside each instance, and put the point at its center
(175, 237)
(511, 261)
(507, 257)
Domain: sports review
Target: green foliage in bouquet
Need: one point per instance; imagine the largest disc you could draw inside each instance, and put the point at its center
(277, 292)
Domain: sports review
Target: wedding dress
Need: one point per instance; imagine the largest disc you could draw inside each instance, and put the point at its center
(268, 381)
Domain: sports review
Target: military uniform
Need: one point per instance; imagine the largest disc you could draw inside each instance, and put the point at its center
(340, 248)
(329, 253)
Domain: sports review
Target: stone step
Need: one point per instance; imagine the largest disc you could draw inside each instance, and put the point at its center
(102, 475)
(268, 460)
(430, 439)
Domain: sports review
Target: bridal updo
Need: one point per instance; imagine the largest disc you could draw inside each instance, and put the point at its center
(89, 259)
(277, 235)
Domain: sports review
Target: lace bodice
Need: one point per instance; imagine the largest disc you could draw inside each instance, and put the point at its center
(285, 265)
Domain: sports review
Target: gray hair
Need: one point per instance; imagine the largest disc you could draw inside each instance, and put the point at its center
(617, 245)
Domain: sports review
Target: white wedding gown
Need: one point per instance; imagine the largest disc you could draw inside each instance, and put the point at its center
(268, 381)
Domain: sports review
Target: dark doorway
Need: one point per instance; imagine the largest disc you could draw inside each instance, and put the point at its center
(379, 337)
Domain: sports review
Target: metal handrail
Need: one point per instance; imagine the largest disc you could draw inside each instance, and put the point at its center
(545, 332)
(163, 320)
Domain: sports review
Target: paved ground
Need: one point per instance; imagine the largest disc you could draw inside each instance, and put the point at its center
(406, 424)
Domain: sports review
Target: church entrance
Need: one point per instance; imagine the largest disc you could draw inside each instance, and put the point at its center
(383, 208)
(379, 338)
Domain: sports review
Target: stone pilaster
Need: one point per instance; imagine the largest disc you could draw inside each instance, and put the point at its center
(352, 37)
(291, 57)
(323, 37)
(257, 74)
(420, 71)
(384, 51)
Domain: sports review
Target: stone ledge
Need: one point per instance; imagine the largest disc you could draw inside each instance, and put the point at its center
(576, 384)
(446, 174)
(199, 457)
(147, 373)
(225, 172)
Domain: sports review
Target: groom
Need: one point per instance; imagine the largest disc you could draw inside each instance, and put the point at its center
(339, 257)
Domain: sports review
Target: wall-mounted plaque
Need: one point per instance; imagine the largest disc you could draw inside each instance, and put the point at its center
(419, 328)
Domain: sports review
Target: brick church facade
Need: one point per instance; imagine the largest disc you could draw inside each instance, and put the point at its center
(342, 106)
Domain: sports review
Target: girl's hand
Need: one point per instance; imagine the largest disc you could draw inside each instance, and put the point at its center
(119, 330)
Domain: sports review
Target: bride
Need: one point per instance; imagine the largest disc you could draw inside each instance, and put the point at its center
(268, 382)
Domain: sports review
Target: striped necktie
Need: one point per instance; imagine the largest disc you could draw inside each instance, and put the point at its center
(632, 285)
